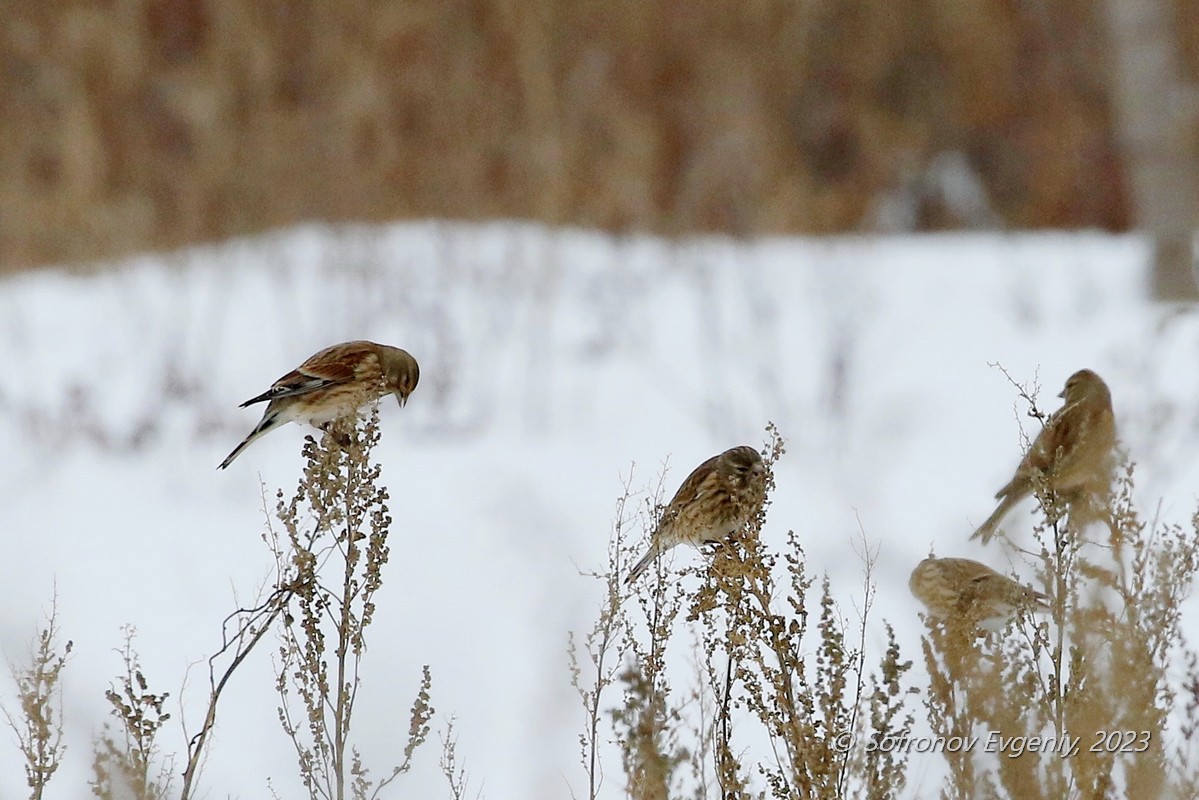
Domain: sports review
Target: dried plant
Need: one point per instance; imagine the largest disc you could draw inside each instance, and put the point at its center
(756, 683)
(126, 763)
(810, 708)
(330, 558)
(1092, 681)
(38, 725)
(240, 634)
(647, 722)
(454, 772)
(602, 646)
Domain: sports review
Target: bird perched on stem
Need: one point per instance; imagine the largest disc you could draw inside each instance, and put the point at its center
(969, 593)
(331, 384)
(1071, 454)
(718, 498)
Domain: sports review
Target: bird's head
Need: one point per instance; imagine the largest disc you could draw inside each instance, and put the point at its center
(744, 462)
(1085, 384)
(400, 372)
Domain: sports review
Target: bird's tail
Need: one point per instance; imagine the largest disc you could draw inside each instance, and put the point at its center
(265, 426)
(987, 529)
(644, 564)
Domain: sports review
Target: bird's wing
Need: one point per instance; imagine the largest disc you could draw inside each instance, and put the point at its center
(996, 586)
(1056, 440)
(694, 487)
(333, 365)
(691, 491)
(340, 363)
(964, 572)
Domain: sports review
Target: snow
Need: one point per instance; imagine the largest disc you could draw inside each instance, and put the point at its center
(551, 362)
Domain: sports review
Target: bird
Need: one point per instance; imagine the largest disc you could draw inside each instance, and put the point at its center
(718, 497)
(969, 593)
(331, 384)
(1071, 454)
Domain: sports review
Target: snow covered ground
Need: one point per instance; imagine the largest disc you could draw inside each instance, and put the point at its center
(551, 361)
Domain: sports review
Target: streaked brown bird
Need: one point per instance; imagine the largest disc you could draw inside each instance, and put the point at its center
(719, 497)
(969, 593)
(1072, 453)
(331, 384)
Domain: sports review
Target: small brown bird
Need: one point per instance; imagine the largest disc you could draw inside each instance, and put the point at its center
(959, 590)
(332, 384)
(720, 496)
(1072, 453)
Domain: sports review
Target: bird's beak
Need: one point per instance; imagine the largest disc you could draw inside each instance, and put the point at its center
(1062, 394)
(401, 399)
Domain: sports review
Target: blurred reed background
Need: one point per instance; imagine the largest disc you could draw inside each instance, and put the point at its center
(147, 124)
